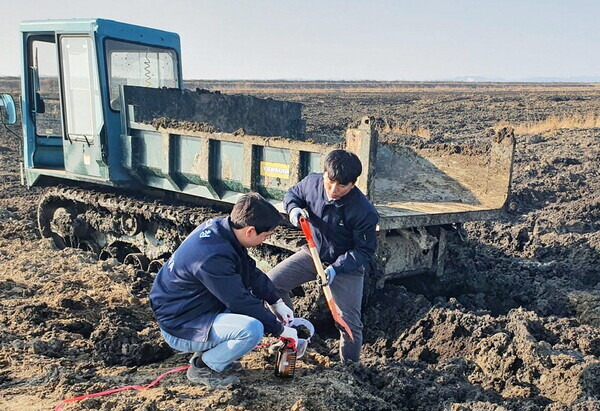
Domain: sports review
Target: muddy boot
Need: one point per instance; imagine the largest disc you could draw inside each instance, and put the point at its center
(200, 373)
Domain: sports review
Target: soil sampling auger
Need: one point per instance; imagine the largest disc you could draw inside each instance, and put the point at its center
(335, 310)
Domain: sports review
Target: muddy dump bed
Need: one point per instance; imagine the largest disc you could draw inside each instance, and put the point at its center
(184, 141)
(433, 186)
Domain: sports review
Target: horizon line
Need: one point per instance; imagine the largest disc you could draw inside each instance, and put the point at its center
(460, 79)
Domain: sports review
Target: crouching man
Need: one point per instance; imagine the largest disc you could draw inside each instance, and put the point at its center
(209, 296)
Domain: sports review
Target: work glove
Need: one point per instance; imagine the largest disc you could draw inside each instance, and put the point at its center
(282, 311)
(329, 276)
(295, 215)
(290, 333)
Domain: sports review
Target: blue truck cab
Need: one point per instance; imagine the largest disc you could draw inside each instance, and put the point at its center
(71, 78)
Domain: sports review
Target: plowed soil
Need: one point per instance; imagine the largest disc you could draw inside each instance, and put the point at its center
(515, 326)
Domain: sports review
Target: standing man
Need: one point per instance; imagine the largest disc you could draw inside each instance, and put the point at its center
(208, 297)
(343, 222)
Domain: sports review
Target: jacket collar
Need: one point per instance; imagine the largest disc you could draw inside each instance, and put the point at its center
(227, 231)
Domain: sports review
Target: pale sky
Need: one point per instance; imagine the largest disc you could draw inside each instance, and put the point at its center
(349, 40)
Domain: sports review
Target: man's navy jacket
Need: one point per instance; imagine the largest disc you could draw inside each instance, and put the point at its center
(344, 229)
(209, 273)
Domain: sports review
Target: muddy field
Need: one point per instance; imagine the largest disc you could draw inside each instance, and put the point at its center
(515, 327)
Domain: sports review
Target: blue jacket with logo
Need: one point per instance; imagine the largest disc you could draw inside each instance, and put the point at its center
(209, 273)
(344, 229)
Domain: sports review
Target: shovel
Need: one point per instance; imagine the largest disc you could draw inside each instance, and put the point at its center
(335, 310)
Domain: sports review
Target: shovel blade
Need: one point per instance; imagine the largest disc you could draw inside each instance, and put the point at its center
(337, 317)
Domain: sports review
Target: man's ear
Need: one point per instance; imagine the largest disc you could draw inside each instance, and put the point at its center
(250, 231)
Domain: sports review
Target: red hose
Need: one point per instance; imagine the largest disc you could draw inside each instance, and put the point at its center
(131, 387)
(128, 387)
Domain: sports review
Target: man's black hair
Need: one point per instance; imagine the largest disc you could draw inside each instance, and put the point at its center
(252, 209)
(342, 166)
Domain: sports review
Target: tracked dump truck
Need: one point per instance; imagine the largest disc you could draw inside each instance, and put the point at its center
(133, 162)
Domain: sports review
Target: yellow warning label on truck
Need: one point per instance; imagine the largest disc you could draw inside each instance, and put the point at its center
(279, 170)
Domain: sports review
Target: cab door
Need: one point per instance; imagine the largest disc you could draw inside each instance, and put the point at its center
(84, 121)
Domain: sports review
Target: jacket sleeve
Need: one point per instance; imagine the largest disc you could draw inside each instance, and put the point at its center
(365, 243)
(219, 276)
(295, 196)
(262, 287)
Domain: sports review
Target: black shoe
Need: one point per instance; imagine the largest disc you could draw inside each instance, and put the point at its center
(204, 375)
(235, 366)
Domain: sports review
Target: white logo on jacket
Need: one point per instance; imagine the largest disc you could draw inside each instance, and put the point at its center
(205, 234)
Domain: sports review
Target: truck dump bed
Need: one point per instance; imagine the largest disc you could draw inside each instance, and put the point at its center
(433, 186)
(262, 149)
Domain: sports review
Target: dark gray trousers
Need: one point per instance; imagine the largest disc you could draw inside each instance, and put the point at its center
(347, 290)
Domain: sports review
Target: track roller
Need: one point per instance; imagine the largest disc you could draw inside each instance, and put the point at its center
(130, 224)
(156, 265)
(90, 246)
(114, 251)
(138, 260)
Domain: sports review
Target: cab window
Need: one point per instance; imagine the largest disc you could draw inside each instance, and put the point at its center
(139, 65)
(43, 71)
